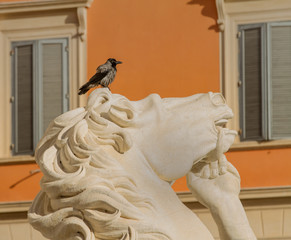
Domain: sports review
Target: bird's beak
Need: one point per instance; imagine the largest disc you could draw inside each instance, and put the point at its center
(118, 62)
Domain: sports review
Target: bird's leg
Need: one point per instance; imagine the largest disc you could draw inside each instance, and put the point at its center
(109, 88)
(105, 87)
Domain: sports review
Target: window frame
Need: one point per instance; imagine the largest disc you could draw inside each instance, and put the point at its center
(231, 14)
(23, 21)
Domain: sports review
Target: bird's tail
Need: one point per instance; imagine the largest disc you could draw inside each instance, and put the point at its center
(85, 88)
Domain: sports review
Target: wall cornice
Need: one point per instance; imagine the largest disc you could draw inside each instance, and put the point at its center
(14, 7)
(221, 14)
(248, 194)
(17, 160)
(10, 207)
(185, 197)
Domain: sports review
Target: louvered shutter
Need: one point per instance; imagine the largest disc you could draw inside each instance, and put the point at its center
(280, 81)
(22, 108)
(54, 81)
(251, 77)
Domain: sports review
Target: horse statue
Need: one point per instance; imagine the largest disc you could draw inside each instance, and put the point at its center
(108, 169)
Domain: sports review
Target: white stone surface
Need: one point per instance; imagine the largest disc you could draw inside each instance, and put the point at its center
(107, 169)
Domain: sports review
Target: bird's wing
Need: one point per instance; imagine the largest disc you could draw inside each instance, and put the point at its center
(99, 75)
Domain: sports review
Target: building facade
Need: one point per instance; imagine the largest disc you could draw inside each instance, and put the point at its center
(242, 48)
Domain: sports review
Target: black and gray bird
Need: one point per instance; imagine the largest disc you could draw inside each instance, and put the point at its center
(104, 75)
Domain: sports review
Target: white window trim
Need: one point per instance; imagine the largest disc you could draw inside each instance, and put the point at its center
(69, 20)
(232, 13)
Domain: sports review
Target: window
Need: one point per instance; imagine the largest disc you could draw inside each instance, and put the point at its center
(33, 28)
(265, 81)
(40, 90)
(255, 99)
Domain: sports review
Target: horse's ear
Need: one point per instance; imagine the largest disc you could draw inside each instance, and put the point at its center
(123, 116)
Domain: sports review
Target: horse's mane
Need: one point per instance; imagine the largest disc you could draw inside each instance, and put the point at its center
(86, 193)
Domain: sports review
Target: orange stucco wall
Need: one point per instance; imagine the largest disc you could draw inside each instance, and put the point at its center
(168, 47)
(172, 48)
(18, 183)
(257, 168)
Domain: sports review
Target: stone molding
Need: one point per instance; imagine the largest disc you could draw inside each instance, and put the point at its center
(248, 194)
(13, 7)
(221, 14)
(185, 197)
(45, 5)
(17, 160)
(13, 207)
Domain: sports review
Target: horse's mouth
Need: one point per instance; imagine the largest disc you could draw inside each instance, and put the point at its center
(222, 130)
(225, 136)
(221, 123)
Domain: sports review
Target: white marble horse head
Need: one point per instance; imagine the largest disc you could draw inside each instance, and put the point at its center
(101, 161)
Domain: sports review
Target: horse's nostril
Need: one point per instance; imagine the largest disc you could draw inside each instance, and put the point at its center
(218, 99)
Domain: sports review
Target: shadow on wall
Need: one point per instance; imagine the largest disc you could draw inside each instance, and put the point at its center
(209, 10)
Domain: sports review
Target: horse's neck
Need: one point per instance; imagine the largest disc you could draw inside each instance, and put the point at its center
(170, 213)
(150, 184)
(142, 172)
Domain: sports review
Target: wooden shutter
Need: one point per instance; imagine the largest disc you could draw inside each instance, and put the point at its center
(54, 81)
(251, 108)
(280, 81)
(22, 86)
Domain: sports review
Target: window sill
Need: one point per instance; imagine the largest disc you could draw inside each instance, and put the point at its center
(253, 145)
(278, 192)
(17, 159)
